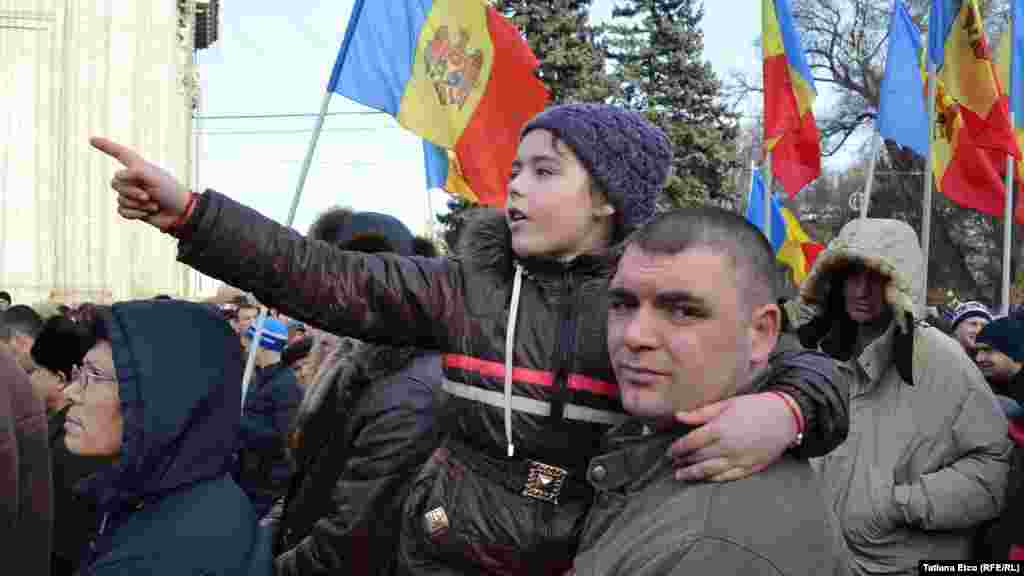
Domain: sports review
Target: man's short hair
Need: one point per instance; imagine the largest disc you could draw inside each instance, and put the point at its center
(20, 319)
(722, 232)
(6, 296)
(242, 302)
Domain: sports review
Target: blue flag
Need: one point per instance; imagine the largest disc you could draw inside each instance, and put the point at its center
(940, 21)
(902, 115)
(755, 212)
(1016, 88)
(435, 163)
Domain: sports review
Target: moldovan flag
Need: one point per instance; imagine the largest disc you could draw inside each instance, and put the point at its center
(798, 251)
(1011, 76)
(455, 73)
(792, 246)
(972, 134)
(790, 133)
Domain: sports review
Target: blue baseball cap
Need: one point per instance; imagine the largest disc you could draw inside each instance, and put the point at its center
(275, 334)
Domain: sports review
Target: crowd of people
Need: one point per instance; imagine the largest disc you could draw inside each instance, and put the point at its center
(585, 386)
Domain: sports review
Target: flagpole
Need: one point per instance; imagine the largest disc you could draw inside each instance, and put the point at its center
(1011, 169)
(926, 216)
(250, 362)
(767, 198)
(876, 148)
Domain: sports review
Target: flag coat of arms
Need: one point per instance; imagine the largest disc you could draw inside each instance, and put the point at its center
(454, 72)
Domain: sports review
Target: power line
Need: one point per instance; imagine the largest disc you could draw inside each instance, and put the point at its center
(296, 131)
(286, 115)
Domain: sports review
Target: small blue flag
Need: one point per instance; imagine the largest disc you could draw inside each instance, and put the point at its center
(1016, 88)
(902, 115)
(435, 162)
(940, 21)
(755, 212)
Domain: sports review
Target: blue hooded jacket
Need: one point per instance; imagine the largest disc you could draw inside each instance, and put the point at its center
(168, 505)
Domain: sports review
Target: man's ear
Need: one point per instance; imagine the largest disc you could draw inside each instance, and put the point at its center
(25, 342)
(765, 326)
(605, 209)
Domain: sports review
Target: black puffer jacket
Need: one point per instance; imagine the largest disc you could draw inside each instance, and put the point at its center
(270, 406)
(461, 307)
(365, 426)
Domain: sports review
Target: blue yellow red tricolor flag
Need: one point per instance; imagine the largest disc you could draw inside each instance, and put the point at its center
(790, 133)
(454, 72)
(1011, 75)
(792, 246)
(972, 134)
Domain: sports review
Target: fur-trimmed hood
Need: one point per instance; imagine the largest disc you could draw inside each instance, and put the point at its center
(486, 241)
(349, 368)
(889, 246)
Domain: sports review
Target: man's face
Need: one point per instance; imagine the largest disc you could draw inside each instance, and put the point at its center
(967, 331)
(305, 369)
(4, 304)
(864, 293)
(20, 346)
(23, 351)
(995, 365)
(678, 335)
(246, 316)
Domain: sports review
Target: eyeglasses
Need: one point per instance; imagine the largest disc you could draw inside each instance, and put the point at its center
(87, 374)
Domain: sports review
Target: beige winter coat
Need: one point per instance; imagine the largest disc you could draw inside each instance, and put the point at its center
(925, 462)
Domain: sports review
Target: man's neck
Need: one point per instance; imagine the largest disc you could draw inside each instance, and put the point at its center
(870, 331)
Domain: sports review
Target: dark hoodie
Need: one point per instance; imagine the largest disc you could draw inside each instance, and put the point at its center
(168, 506)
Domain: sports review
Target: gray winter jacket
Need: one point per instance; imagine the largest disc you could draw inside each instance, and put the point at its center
(927, 455)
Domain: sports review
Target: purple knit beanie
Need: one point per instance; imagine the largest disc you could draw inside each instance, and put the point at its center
(628, 156)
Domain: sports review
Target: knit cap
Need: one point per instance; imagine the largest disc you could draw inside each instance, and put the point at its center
(623, 152)
(1006, 335)
(275, 334)
(970, 309)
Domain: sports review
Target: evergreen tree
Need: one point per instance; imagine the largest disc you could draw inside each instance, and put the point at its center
(572, 67)
(657, 48)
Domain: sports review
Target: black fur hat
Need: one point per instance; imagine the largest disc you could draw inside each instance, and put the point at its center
(363, 231)
(61, 345)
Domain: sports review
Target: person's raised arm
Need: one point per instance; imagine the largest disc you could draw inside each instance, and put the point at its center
(378, 297)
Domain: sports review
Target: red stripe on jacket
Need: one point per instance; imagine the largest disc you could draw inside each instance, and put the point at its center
(544, 378)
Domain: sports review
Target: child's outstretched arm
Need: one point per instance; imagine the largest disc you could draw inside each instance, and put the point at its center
(377, 297)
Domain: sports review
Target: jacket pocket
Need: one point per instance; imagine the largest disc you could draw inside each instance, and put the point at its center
(871, 516)
(455, 517)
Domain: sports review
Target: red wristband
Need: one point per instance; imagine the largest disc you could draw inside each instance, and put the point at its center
(797, 418)
(183, 218)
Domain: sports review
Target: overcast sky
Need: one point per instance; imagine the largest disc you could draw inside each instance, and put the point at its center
(275, 58)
